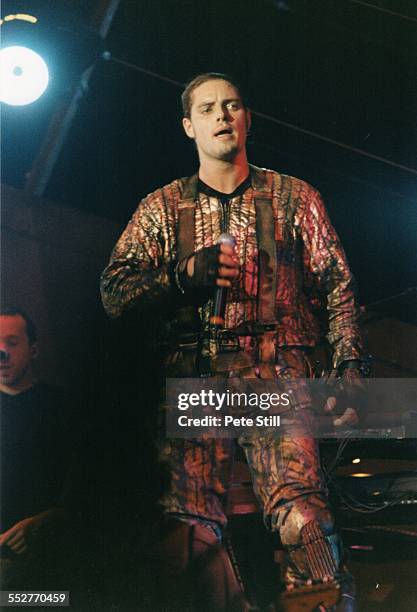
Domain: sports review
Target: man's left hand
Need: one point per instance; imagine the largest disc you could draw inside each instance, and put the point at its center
(353, 389)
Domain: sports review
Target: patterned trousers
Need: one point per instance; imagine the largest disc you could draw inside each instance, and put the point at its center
(286, 474)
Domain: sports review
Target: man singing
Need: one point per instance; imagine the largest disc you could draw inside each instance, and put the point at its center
(168, 261)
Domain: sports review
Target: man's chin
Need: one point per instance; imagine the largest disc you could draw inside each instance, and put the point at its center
(7, 380)
(228, 155)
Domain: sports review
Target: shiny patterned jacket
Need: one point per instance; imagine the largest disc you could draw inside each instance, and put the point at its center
(311, 265)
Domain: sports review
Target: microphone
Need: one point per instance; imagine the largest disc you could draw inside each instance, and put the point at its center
(219, 304)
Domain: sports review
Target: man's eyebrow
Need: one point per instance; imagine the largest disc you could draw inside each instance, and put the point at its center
(225, 101)
(206, 103)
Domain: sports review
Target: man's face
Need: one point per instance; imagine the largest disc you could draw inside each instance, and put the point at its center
(16, 354)
(219, 122)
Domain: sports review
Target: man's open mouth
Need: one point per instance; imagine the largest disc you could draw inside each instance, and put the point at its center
(224, 131)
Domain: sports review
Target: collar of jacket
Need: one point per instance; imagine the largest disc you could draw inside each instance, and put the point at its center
(259, 184)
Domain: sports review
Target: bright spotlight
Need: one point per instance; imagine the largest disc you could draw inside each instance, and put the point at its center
(24, 76)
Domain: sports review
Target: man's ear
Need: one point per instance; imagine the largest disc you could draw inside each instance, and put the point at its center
(34, 350)
(188, 127)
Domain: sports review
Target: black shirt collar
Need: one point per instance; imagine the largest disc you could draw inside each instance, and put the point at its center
(209, 191)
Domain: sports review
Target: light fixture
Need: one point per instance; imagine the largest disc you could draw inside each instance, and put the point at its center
(24, 75)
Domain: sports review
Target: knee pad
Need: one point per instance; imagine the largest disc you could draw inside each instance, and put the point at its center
(314, 551)
(318, 556)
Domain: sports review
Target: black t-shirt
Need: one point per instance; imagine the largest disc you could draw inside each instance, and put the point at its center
(34, 451)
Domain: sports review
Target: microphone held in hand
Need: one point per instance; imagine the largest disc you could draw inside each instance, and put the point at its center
(219, 304)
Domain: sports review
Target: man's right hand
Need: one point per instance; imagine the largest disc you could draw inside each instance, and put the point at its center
(213, 266)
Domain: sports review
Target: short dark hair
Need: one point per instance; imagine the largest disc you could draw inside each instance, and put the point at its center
(31, 330)
(203, 78)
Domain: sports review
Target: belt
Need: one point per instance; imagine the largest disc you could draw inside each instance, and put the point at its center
(227, 341)
(224, 336)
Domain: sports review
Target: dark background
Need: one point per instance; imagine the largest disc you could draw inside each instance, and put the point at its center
(344, 69)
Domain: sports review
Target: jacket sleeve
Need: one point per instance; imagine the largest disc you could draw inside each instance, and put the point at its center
(139, 271)
(327, 260)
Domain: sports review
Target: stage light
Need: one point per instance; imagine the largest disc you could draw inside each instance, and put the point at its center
(24, 75)
(357, 460)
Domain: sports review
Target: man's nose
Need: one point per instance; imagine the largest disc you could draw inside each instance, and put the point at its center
(4, 356)
(222, 113)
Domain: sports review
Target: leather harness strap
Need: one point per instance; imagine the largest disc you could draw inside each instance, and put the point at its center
(186, 218)
(187, 316)
(267, 260)
(267, 282)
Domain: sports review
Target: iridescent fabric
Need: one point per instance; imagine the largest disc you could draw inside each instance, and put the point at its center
(286, 474)
(311, 261)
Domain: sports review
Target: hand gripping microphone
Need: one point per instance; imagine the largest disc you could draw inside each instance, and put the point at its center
(219, 304)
